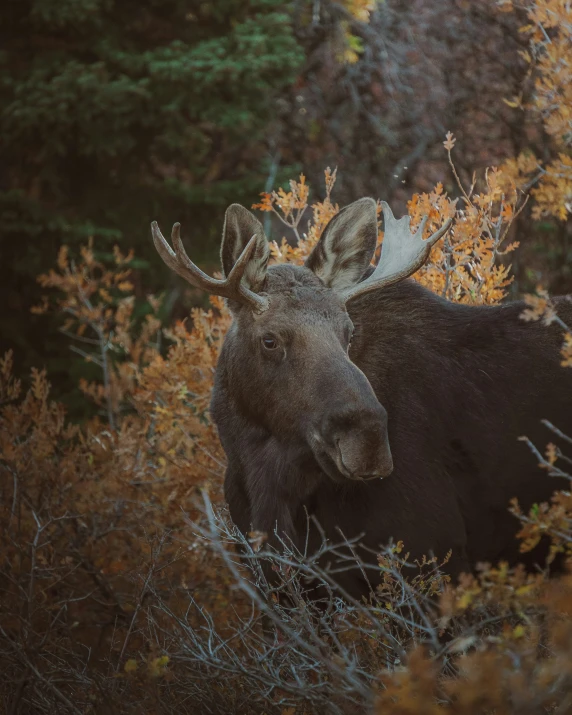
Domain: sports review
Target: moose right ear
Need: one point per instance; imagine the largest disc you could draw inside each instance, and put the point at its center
(346, 246)
(239, 227)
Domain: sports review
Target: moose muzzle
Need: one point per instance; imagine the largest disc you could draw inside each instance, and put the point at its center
(353, 443)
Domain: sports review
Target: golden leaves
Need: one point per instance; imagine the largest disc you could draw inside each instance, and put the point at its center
(289, 202)
(257, 539)
(9, 387)
(266, 203)
(500, 586)
(290, 208)
(130, 666)
(552, 519)
(360, 9)
(465, 266)
(351, 44)
(490, 669)
(514, 103)
(553, 195)
(540, 307)
(136, 464)
(555, 519)
(449, 142)
(157, 667)
(550, 60)
(40, 385)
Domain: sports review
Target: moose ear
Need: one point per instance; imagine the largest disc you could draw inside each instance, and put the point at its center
(346, 247)
(239, 227)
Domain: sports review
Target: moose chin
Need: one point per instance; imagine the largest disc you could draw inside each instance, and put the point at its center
(354, 395)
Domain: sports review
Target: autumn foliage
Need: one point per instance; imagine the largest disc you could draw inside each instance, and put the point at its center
(549, 27)
(120, 588)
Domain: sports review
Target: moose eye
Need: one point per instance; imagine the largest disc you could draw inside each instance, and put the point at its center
(269, 342)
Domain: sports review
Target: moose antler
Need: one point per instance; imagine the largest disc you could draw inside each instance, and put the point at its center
(402, 253)
(229, 287)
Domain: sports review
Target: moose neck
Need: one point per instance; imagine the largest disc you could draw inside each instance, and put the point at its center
(279, 479)
(272, 477)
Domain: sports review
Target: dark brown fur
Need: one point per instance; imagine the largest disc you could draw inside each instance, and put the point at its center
(460, 384)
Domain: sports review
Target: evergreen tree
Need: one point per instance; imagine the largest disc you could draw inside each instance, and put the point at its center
(116, 113)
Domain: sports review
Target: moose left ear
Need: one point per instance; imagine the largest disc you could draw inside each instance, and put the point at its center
(240, 226)
(346, 247)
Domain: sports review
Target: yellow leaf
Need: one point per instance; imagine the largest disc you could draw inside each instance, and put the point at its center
(130, 666)
(449, 142)
(157, 666)
(465, 600)
(524, 590)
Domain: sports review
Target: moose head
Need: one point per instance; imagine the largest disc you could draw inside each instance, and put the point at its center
(286, 362)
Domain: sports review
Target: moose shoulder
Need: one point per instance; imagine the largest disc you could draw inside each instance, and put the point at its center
(365, 400)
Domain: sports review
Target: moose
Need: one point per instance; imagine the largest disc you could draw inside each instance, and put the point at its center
(356, 396)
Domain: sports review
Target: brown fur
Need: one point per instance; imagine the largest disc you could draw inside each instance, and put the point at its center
(451, 388)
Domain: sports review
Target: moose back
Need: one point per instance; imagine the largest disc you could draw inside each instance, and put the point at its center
(358, 397)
